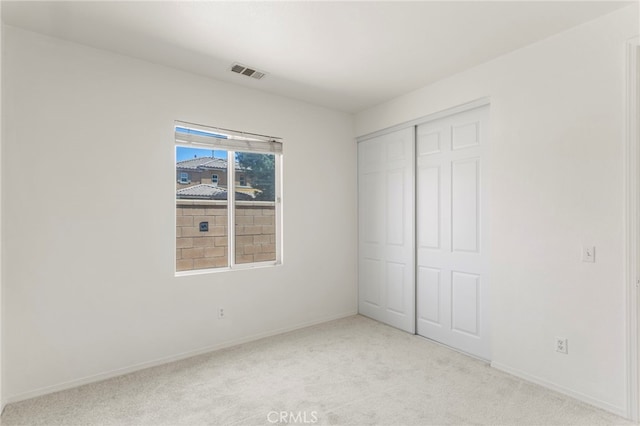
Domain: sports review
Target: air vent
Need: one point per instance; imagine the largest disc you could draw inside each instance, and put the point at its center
(237, 68)
(249, 72)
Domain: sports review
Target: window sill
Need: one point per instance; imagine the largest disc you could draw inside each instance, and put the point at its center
(241, 267)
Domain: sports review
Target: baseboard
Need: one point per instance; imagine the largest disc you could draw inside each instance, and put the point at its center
(165, 360)
(620, 411)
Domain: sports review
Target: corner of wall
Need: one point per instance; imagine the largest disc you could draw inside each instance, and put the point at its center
(2, 401)
(632, 221)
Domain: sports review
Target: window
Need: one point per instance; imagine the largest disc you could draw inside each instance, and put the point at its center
(184, 178)
(250, 207)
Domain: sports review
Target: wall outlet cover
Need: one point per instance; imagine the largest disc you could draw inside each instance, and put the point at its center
(562, 345)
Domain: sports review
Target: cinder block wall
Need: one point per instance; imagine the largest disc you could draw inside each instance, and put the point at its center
(195, 249)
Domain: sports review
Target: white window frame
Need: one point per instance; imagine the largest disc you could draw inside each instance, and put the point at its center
(184, 177)
(260, 142)
(217, 179)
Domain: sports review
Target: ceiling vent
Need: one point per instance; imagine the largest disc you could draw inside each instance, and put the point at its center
(249, 72)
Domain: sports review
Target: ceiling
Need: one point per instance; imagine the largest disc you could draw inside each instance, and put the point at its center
(343, 55)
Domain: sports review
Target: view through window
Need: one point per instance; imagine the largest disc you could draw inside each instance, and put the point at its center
(228, 184)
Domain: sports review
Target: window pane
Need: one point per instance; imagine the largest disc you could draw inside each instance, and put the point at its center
(255, 228)
(201, 210)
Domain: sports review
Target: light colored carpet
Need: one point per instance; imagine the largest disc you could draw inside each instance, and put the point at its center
(352, 371)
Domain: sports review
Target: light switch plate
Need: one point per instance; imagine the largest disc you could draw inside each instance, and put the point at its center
(589, 254)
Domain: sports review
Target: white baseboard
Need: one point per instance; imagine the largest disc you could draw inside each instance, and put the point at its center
(164, 360)
(620, 411)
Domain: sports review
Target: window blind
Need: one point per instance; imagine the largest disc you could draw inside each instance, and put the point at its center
(199, 135)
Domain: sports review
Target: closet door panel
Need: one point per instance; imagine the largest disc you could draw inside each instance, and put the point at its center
(453, 285)
(386, 231)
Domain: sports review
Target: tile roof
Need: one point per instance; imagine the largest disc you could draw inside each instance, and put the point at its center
(204, 163)
(205, 191)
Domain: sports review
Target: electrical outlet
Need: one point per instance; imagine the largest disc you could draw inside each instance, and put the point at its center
(221, 313)
(562, 345)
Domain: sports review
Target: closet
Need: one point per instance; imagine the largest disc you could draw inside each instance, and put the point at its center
(423, 228)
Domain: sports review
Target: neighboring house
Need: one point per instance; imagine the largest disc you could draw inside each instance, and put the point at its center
(209, 172)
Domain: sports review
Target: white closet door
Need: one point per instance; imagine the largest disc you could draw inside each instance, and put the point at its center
(386, 232)
(452, 262)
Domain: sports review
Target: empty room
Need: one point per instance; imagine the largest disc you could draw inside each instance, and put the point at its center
(313, 212)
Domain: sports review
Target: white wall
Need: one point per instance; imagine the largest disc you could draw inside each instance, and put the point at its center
(88, 186)
(1, 309)
(557, 139)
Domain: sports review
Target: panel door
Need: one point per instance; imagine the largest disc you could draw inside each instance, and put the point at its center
(451, 223)
(386, 232)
